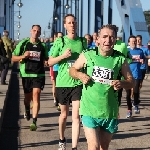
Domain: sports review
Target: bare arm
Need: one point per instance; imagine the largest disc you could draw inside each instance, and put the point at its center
(128, 83)
(147, 56)
(20, 58)
(55, 60)
(74, 70)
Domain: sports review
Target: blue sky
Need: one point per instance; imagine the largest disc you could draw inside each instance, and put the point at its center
(40, 12)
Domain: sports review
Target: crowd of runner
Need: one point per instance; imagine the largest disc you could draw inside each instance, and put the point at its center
(87, 72)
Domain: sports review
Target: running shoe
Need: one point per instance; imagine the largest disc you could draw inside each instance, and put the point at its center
(136, 109)
(27, 115)
(129, 114)
(62, 146)
(33, 127)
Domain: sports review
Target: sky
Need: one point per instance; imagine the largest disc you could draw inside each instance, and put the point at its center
(41, 12)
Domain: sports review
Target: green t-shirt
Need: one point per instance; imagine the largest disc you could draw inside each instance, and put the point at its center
(121, 47)
(17, 50)
(77, 46)
(99, 99)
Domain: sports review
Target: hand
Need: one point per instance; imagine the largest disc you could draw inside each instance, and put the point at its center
(84, 78)
(26, 54)
(67, 53)
(45, 63)
(116, 84)
(141, 61)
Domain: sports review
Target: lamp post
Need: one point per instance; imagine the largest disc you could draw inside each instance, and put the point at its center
(15, 22)
(19, 16)
(51, 24)
(18, 34)
(20, 4)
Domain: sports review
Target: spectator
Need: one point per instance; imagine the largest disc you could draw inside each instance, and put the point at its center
(8, 48)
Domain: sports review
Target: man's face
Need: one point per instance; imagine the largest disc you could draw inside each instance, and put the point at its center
(94, 36)
(138, 41)
(46, 40)
(70, 24)
(51, 39)
(132, 43)
(35, 32)
(59, 35)
(55, 37)
(88, 39)
(106, 39)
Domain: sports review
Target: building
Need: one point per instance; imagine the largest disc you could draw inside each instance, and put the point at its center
(90, 16)
(7, 17)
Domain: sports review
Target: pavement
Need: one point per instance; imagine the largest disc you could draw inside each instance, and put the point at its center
(133, 134)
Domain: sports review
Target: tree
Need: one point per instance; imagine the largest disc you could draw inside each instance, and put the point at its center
(147, 18)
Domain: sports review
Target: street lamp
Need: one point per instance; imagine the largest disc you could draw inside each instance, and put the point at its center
(20, 4)
(19, 16)
(19, 26)
(67, 6)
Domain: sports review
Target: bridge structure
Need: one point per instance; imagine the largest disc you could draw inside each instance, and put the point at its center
(90, 16)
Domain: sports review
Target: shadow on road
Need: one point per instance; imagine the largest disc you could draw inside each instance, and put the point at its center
(10, 127)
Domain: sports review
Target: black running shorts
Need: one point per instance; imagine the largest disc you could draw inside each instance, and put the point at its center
(32, 82)
(65, 95)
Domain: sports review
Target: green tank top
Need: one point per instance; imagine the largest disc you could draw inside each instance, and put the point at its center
(99, 99)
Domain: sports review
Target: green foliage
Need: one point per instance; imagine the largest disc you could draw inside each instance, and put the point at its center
(147, 18)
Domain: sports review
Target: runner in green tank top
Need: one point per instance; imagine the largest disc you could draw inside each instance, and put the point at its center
(99, 102)
(65, 52)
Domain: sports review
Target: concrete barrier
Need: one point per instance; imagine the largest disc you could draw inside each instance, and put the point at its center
(4, 93)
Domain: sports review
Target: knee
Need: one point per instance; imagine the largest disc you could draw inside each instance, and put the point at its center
(76, 118)
(64, 115)
(93, 145)
(36, 94)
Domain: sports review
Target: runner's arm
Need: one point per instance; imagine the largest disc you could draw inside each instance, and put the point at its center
(79, 64)
(54, 57)
(128, 83)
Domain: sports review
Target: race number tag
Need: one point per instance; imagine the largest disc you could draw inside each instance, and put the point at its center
(102, 75)
(70, 63)
(136, 58)
(34, 55)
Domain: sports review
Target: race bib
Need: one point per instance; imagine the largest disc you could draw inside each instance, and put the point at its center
(136, 58)
(34, 55)
(70, 64)
(102, 75)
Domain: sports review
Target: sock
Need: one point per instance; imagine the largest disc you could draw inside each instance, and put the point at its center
(34, 120)
(62, 141)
